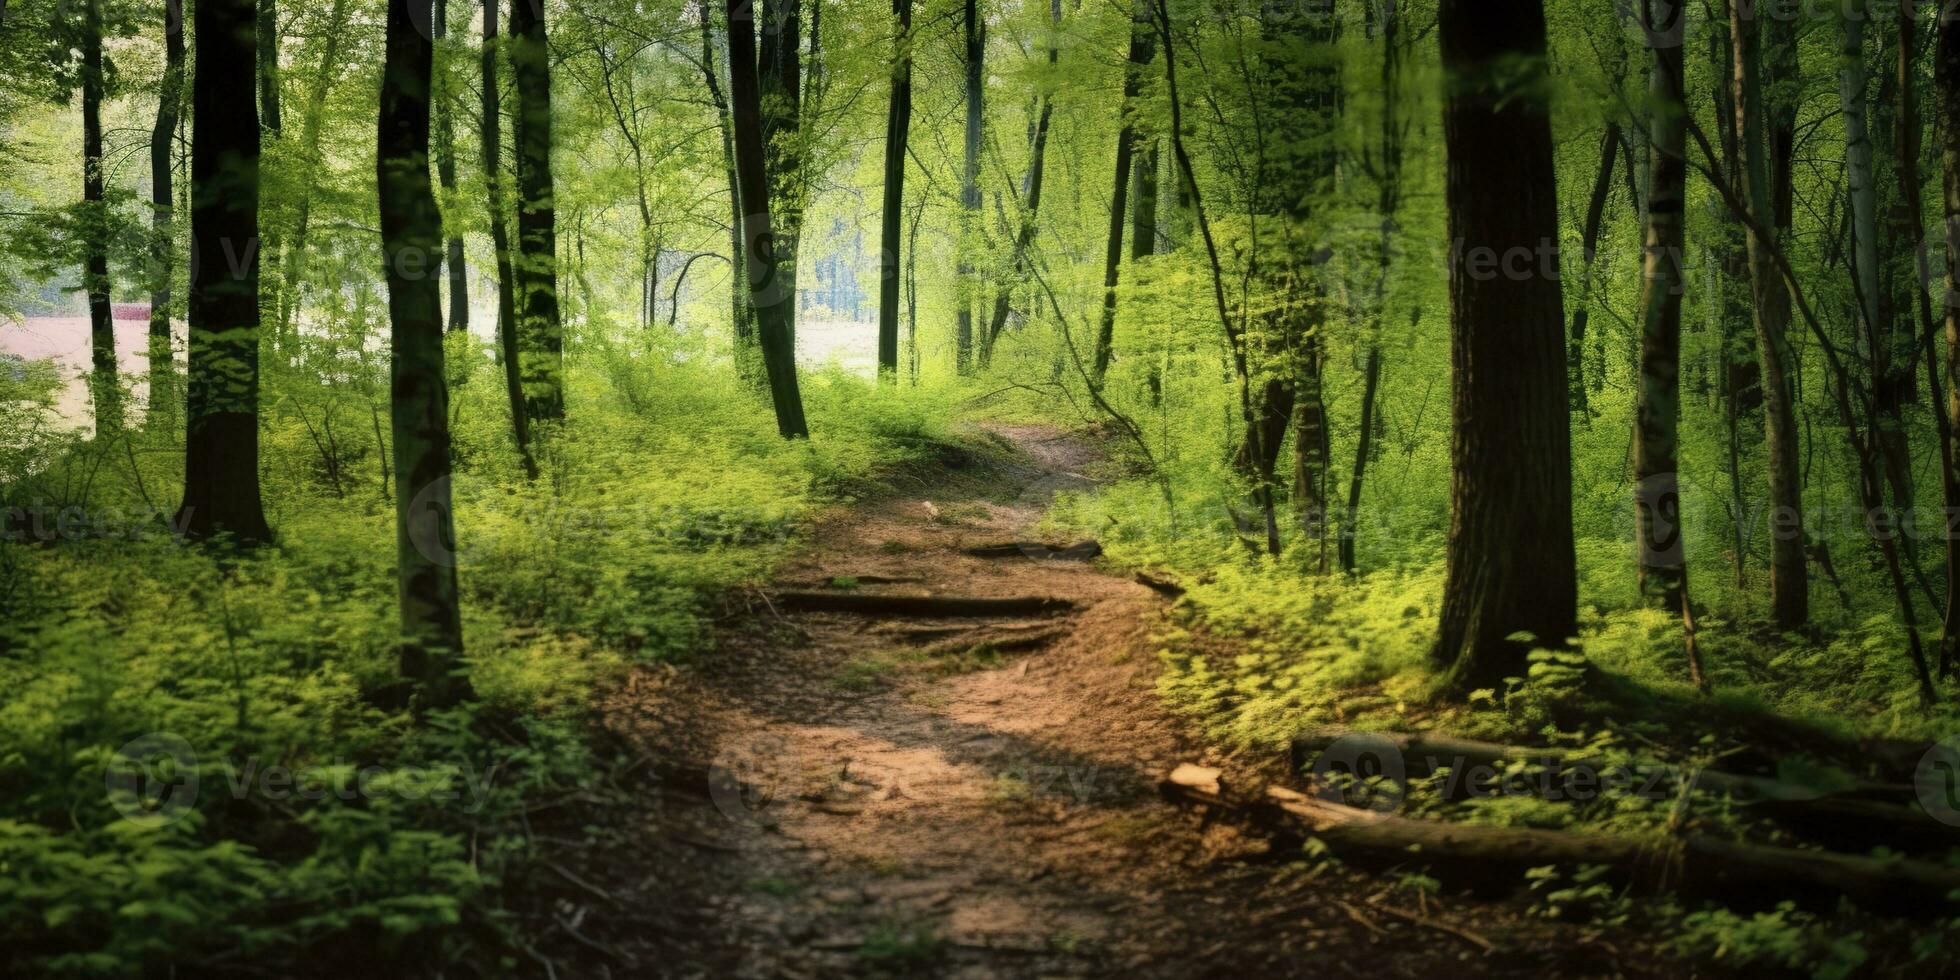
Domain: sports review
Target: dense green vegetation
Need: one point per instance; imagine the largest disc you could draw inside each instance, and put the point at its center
(394, 497)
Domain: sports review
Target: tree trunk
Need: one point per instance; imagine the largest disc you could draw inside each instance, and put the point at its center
(769, 294)
(540, 329)
(967, 288)
(898, 125)
(1662, 550)
(1948, 73)
(1863, 184)
(1142, 46)
(1143, 214)
(411, 226)
(1788, 576)
(1309, 105)
(493, 185)
(1575, 362)
(164, 397)
(268, 75)
(1030, 199)
(105, 383)
(1388, 202)
(441, 97)
(293, 262)
(780, 80)
(1510, 566)
(221, 417)
(741, 324)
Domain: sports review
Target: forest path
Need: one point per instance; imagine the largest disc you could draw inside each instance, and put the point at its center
(959, 797)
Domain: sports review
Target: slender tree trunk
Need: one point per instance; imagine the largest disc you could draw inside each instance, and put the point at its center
(540, 328)
(164, 396)
(1309, 106)
(293, 261)
(1789, 582)
(898, 125)
(741, 322)
(411, 227)
(1364, 447)
(1192, 198)
(1388, 203)
(1948, 73)
(1510, 568)
(1143, 214)
(1030, 199)
(493, 184)
(1662, 561)
(1575, 360)
(268, 75)
(1142, 45)
(105, 382)
(272, 241)
(1911, 192)
(221, 417)
(769, 294)
(454, 262)
(1862, 181)
(967, 289)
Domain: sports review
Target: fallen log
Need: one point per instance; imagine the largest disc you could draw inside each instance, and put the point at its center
(1038, 550)
(1496, 858)
(1423, 753)
(1857, 815)
(922, 606)
(1014, 642)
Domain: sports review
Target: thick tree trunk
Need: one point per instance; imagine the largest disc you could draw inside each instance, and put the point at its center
(1662, 551)
(164, 396)
(898, 126)
(221, 417)
(769, 294)
(967, 288)
(1788, 577)
(1142, 45)
(540, 328)
(493, 184)
(780, 75)
(411, 226)
(440, 95)
(1510, 566)
(105, 382)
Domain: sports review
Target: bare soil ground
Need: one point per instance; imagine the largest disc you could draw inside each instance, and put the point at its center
(972, 797)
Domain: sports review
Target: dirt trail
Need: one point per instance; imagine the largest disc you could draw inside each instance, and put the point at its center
(969, 797)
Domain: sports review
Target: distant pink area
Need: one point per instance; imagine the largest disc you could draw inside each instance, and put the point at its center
(65, 340)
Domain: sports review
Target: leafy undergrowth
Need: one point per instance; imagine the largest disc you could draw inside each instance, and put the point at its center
(1260, 650)
(282, 820)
